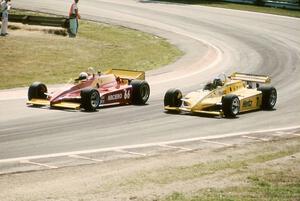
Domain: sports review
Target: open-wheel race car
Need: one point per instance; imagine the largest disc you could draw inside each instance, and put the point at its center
(225, 96)
(92, 90)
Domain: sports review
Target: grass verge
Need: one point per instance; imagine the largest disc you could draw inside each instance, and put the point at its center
(29, 56)
(269, 184)
(260, 178)
(237, 6)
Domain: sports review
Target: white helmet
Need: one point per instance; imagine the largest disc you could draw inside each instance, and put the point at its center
(83, 76)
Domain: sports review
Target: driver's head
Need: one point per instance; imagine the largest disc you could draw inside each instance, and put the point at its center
(91, 71)
(83, 76)
(217, 82)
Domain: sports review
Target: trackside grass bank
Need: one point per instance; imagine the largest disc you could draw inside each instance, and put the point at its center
(236, 6)
(29, 56)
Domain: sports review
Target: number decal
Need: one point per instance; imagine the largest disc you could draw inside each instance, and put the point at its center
(126, 94)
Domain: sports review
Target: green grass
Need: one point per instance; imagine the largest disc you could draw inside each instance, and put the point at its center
(32, 56)
(269, 184)
(236, 6)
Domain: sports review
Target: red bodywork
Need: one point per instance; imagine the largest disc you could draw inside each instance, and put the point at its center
(112, 90)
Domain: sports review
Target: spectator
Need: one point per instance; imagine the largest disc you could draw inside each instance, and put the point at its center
(5, 7)
(73, 17)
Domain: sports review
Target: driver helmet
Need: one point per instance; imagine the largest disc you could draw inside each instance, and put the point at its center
(83, 76)
(91, 71)
(217, 82)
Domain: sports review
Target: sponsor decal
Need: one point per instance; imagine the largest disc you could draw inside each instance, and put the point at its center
(247, 103)
(102, 100)
(114, 97)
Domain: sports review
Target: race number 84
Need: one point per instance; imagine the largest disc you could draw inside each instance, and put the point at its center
(127, 94)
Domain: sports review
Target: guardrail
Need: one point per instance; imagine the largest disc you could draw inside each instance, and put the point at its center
(290, 4)
(40, 20)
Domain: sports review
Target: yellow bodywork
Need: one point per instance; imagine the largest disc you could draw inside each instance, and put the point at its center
(44, 102)
(127, 74)
(250, 77)
(210, 101)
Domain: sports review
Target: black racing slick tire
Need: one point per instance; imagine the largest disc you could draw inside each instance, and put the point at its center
(90, 99)
(37, 90)
(173, 98)
(230, 105)
(140, 92)
(269, 97)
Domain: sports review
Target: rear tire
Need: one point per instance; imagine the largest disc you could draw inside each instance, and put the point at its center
(269, 97)
(37, 91)
(90, 99)
(230, 105)
(140, 92)
(173, 98)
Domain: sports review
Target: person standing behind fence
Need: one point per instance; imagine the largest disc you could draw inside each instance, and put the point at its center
(5, 7)
(73, 17)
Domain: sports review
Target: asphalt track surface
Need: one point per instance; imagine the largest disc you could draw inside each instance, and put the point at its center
(215, 41)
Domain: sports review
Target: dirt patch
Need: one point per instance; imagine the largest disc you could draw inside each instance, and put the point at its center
(155, 178)
(28, 29)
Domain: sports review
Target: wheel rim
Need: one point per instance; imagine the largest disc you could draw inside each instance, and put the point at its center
(179, 95)
(178, 99)
(273, 98)
(145, 92)
(235, 107)
(42, 90)
(95, 99)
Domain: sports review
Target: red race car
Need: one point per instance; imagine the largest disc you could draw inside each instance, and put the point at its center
(92, 90)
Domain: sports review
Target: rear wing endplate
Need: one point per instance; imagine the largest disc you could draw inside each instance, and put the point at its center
(127, 74)
(250, 77)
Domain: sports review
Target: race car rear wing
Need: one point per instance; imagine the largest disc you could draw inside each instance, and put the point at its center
(250, 77)
(127, 74)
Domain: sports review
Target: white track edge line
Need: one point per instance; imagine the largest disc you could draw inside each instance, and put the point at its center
(255, 138)
(144, 145)
(219, 143)
(85, 158)
(296, 134)
(129, 152)
(175, 147)
(38, 164)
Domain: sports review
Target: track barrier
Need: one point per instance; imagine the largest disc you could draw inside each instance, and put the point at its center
(40, 20)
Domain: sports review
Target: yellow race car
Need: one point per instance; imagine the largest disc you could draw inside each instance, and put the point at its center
(225, 96)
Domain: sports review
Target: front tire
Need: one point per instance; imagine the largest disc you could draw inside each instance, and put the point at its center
(90, 99)
(173, 98)
(269, 97)
(230, 105)
(37, 90)
(140, 92)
